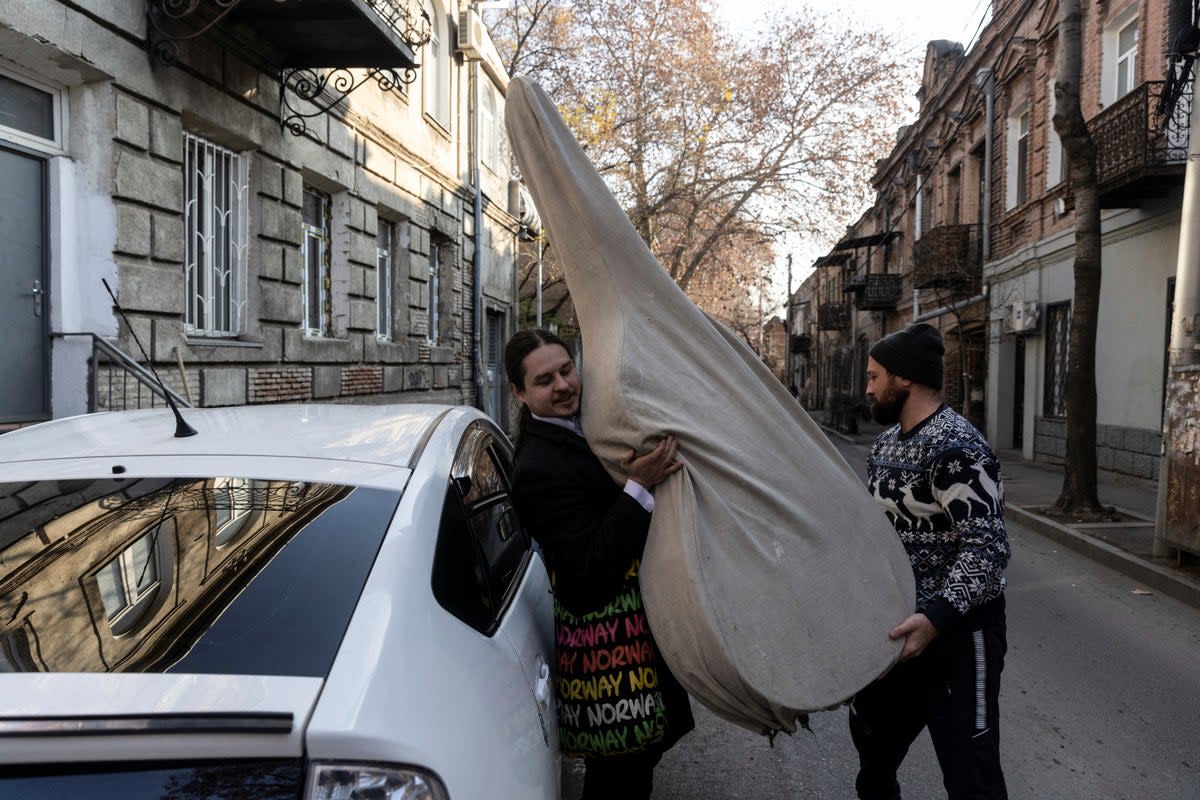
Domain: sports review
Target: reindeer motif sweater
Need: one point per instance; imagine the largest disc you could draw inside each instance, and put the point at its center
(940, 486)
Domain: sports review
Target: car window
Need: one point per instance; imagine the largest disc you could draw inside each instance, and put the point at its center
(482, 551)
(145, 574)
(262, 780)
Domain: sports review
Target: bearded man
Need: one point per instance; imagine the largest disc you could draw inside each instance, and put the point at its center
(939, 483)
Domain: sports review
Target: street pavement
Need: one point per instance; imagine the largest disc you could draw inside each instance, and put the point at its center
(1099, 692)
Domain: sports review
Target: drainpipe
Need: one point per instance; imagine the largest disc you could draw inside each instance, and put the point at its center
(477, 255)
(986, 81)
(946, 309)
(539, 278)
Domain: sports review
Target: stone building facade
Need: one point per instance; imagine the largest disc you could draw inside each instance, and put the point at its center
(288, 208)
(978, 219)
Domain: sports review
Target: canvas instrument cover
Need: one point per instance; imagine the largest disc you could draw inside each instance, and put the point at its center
(771, 578)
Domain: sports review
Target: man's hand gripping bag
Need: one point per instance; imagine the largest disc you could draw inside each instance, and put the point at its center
(771, 578)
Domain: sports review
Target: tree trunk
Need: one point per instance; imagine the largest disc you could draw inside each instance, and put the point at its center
(1079, 490)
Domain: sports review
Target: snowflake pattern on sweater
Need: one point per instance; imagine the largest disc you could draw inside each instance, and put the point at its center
(940, 486)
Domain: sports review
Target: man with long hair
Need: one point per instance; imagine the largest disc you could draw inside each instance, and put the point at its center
(591, 529)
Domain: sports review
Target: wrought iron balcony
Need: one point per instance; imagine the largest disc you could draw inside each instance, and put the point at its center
(855, 283)
(948, 256)
(801, 344)
(1140, 151)
(833, 316)
(881, 293)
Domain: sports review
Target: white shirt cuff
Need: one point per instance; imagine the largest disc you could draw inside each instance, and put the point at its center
(639, 493)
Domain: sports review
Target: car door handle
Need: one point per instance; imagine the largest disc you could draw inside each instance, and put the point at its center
(541, 689)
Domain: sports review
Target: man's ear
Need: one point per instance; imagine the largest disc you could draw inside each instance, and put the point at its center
(903, 383)
(517, 393)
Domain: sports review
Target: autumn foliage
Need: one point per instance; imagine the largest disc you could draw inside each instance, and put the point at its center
(716, 143)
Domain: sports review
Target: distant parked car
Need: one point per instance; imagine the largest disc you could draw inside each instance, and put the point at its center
(298, 602)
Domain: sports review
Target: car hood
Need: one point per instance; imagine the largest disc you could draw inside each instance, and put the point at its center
(75, 717)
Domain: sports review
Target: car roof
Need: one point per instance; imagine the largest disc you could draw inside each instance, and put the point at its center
(392, 435)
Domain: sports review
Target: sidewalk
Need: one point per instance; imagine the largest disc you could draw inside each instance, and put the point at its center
(1126, 546)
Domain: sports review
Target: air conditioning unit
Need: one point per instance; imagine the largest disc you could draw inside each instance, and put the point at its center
(471, 35)
(1060, 207)
(1025, 317)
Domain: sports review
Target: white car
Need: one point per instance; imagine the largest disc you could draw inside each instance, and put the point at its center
(298, 602)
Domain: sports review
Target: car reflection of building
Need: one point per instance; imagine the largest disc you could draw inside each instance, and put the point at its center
(114, 576)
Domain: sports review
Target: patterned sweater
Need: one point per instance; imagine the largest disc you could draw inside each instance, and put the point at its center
(940, 486)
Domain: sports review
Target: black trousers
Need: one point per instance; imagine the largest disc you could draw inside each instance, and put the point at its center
(953, 688)
(620, 777)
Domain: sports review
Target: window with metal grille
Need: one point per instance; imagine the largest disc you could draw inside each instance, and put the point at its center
(385, 243)
(318, 279)
(495, 339)
(437, 254)
(1058, 329)
(214, 212)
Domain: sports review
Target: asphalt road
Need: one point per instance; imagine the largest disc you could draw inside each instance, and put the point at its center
(1099, 701)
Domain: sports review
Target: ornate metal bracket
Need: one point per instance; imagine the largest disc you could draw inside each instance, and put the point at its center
(169, 22)
(305, 93)
(415, 29)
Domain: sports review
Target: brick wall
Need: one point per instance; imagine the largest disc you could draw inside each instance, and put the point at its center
(277, 384)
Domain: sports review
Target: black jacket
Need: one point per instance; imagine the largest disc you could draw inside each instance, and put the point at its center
(589, 530)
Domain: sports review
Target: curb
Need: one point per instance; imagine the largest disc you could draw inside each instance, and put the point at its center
(1154, 576)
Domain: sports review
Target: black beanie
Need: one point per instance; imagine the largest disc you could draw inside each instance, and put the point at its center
(914, 353)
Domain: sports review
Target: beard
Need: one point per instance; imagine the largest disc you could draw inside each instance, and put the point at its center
(886, 409)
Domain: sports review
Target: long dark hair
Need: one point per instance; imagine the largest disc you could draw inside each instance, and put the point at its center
(520, 345)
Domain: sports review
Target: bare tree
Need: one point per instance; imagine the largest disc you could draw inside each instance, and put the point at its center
(533, 36)
(715, 144)
(1079, 490)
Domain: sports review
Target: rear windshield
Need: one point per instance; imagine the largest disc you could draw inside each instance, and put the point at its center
(218, 575)
(261, 780)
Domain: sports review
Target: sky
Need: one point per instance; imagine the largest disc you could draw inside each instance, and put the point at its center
(914, 22)
(919, 22)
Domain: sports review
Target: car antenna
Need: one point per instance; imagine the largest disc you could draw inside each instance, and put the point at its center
(182, 429)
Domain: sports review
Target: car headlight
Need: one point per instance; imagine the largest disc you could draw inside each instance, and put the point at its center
(372, 782)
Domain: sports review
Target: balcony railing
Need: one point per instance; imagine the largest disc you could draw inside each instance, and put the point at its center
(116, 382)
(327, 34)
(1136, 146)
(881, 293)
(833, 317)
(119, 383)
(948, 256)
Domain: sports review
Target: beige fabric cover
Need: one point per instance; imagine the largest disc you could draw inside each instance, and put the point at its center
(771, 578)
